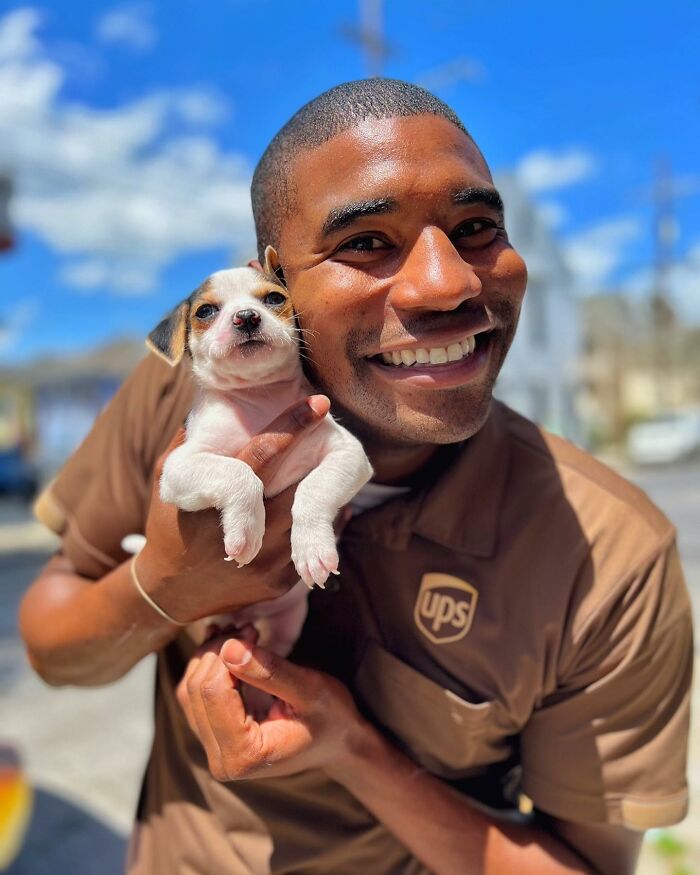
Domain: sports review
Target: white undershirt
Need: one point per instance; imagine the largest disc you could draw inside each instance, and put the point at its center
(373, 494)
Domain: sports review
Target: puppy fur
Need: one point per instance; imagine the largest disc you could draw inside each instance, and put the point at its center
(239, 328)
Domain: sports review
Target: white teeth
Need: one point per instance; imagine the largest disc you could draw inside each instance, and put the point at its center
(438, 355)
(454, 352)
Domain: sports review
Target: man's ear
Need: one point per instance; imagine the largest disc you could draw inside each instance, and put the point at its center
(273, 268)
(168, 340)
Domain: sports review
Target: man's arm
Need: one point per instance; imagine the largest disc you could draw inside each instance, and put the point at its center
(315, 724)
(444, 829)
(86, 632)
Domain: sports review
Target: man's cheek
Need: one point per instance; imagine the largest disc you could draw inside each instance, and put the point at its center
(509, 273)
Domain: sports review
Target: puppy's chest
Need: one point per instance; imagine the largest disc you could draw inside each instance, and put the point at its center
(224, 429)
(305, 456)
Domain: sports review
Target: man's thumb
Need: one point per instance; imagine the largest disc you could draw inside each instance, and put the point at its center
(267, 671)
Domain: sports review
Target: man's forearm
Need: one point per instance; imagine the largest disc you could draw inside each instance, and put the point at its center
(442, 828)
(85, 632)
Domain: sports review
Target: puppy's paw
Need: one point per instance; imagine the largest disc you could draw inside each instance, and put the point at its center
(314, 554)
(243, 533)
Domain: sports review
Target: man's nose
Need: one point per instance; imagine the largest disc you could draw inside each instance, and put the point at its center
(246, 320)
(434, 276)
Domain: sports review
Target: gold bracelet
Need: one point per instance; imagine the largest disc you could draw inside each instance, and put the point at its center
(146, 596)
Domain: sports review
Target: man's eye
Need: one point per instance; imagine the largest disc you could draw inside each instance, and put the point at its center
(206, 311)
(477, 232)
(274, 299)
(366, 243)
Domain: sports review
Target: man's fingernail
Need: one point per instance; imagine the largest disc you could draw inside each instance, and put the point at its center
(319, 404)
(236, 652)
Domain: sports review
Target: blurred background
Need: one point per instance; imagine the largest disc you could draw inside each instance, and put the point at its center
(128, 135)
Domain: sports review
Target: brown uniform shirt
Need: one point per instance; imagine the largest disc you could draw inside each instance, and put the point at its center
(520, 623)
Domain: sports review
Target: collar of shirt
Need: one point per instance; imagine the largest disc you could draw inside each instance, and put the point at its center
(459, 510)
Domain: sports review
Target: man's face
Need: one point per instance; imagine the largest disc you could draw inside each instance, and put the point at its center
(395, 250)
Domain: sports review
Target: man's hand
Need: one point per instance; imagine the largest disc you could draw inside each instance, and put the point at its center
(313, 723)
(182, 565)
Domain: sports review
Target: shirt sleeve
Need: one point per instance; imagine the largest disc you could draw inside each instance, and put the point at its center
(103, 491)
(610, 744)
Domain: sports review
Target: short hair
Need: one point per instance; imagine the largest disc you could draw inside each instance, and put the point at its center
(336, 110)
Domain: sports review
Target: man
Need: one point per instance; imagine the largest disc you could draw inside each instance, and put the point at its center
(510, 622)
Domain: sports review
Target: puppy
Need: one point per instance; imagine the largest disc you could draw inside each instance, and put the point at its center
(240, 330)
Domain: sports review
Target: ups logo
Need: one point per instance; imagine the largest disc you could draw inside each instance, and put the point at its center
(445, 607)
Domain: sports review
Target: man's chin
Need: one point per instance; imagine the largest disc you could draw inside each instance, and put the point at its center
(419, 428)
(447, 421)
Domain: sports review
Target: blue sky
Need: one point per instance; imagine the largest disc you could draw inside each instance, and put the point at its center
(131, 131)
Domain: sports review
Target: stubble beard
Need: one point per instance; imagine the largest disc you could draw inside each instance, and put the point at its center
(446, 416)
(439, 416)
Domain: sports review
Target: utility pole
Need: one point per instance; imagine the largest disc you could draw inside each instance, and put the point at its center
(662, 314)
(7, 240)
(372, 24)
(369, 35)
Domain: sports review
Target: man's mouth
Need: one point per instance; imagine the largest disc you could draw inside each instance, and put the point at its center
(432, 356)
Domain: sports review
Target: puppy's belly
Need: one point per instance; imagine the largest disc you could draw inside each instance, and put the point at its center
(296, 466)
(278, 622)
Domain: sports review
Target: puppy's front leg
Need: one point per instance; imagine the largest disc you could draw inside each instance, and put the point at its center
(194, 479)
(341, 474)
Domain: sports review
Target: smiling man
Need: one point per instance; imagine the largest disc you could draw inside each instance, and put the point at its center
(499, 679)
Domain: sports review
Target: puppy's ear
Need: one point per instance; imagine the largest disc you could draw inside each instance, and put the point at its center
(168, 340)
(273, 268)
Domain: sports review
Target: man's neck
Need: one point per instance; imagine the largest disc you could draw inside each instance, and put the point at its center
(399, 465)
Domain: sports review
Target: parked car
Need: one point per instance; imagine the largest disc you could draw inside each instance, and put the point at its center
(17, 475)
(668, 438)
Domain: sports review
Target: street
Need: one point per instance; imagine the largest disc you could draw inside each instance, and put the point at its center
(84, 750)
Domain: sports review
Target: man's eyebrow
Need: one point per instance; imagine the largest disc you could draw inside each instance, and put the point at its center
(340, 217)
(489, 197)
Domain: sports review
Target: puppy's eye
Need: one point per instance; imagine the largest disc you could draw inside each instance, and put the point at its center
(274, 299)
(206, 311)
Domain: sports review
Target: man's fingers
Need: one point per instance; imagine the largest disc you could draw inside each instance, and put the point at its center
(211, 688)
(265, 451)
(235, 745)
(271, 673)
(183, 695)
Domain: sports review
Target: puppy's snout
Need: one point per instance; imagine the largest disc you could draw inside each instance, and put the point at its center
(246, 320)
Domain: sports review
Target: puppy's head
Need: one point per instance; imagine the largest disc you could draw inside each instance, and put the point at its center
(239, 328)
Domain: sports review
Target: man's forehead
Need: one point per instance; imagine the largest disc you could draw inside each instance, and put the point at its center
(387, 158)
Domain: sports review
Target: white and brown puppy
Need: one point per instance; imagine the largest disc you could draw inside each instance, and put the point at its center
(240, 330)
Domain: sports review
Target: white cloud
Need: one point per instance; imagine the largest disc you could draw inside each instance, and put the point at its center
(129, 25)
(545, 170)
(452, 72)
(552, 213)
(593, 254)
(15, 322)
(120, 192)
(17, 38)
(199, 107)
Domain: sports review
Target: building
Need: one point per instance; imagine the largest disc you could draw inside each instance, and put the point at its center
(60, 398)
(540, 378)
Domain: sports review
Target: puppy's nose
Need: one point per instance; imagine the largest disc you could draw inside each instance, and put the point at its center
(246, 320)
